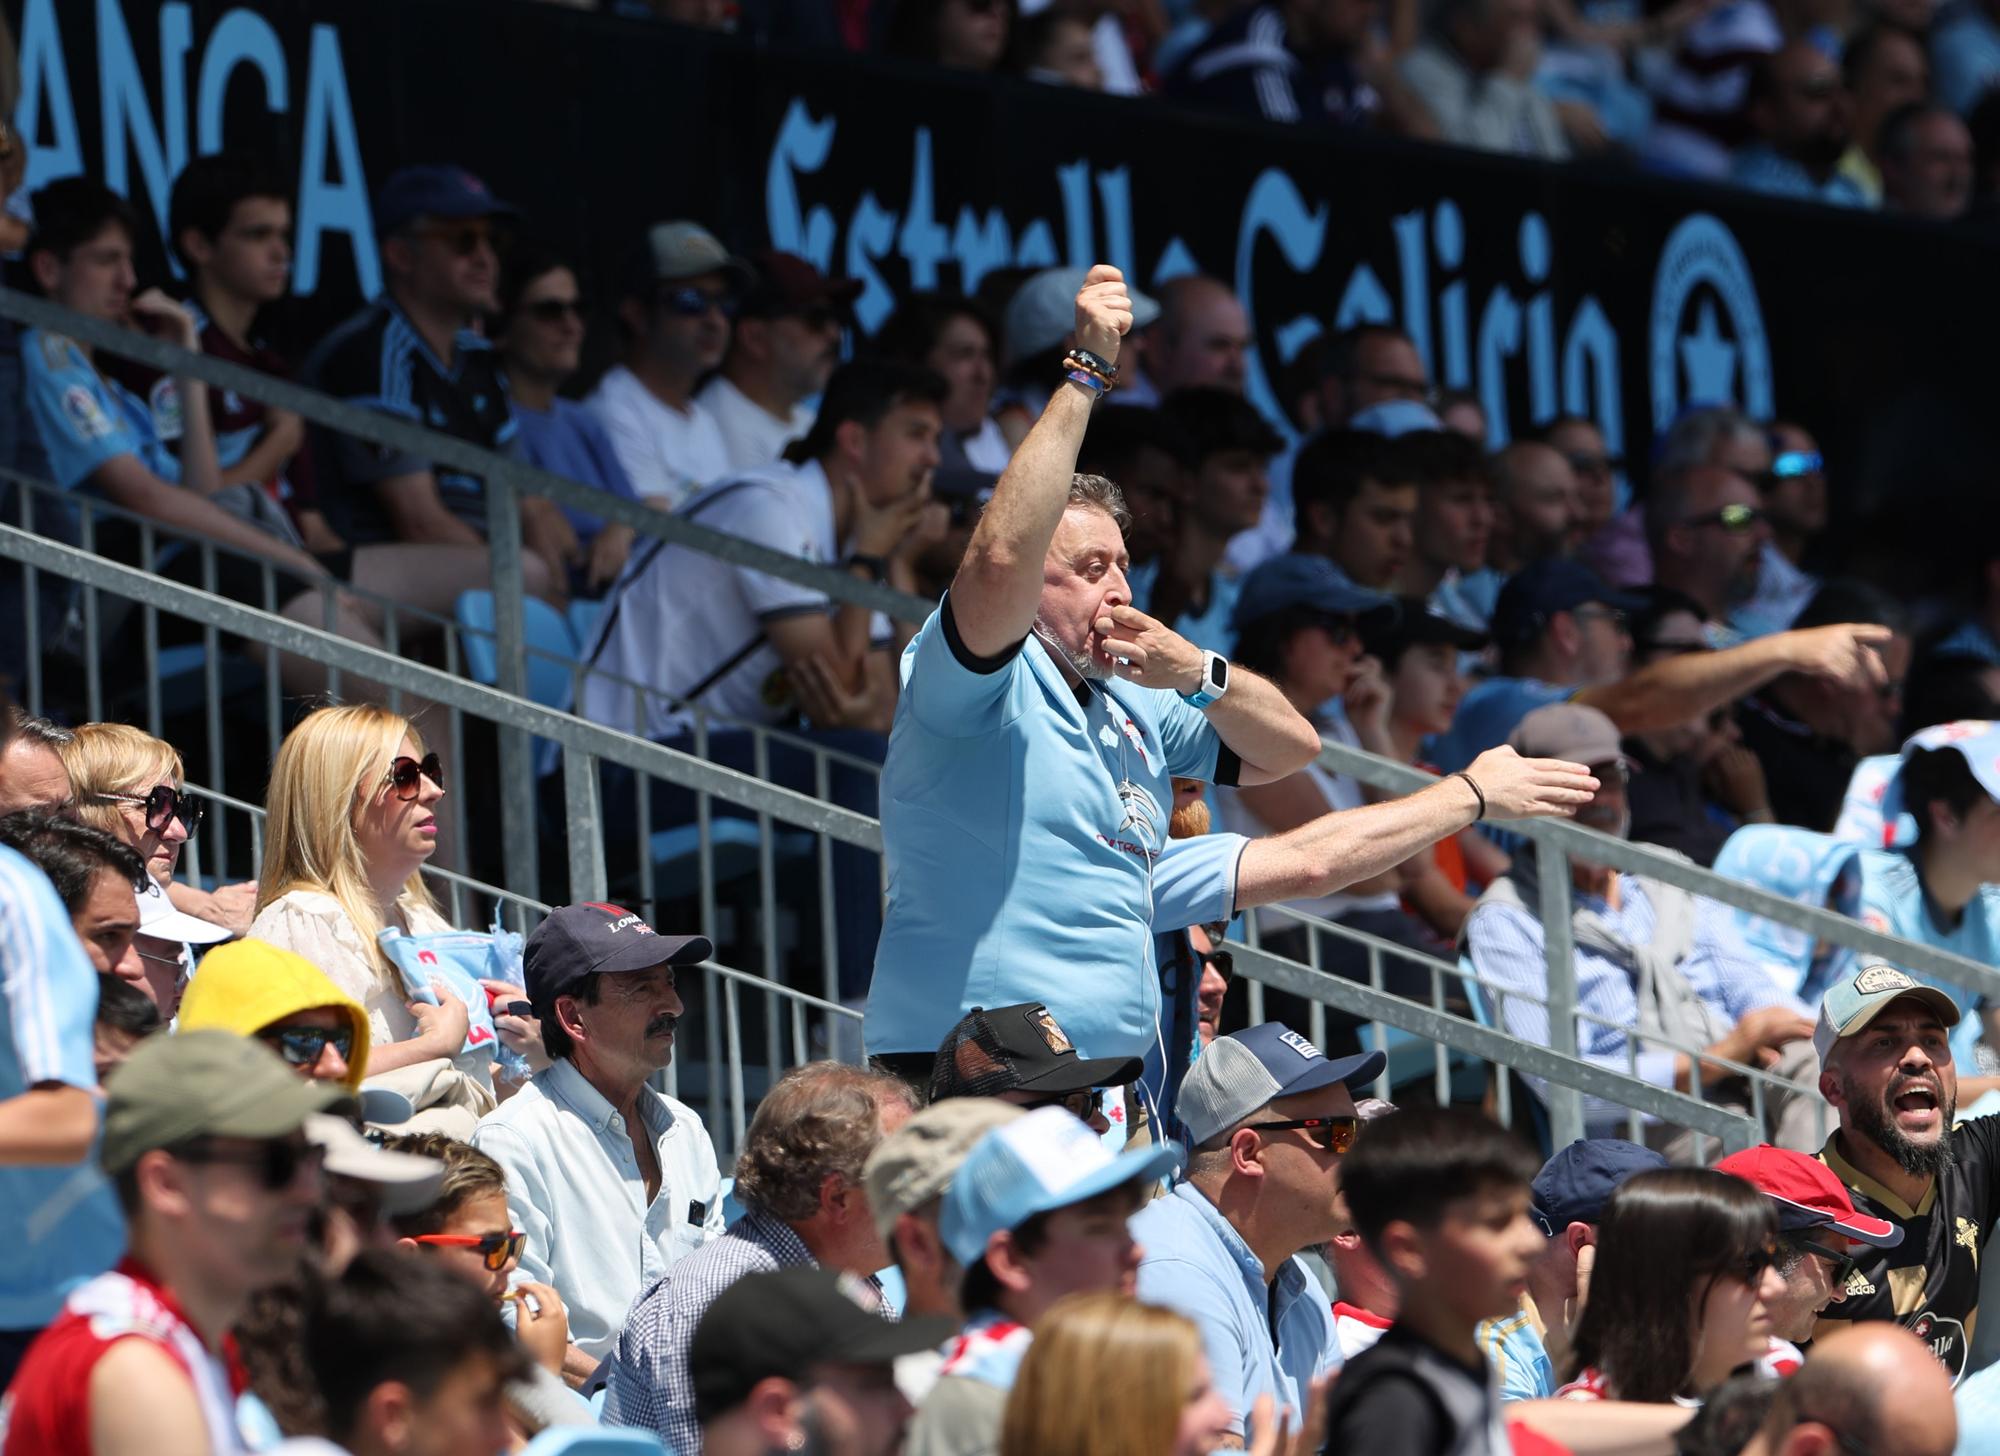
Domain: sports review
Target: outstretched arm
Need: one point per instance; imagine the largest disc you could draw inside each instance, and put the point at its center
(1676, 689)
(999, 584)
(1338, 849)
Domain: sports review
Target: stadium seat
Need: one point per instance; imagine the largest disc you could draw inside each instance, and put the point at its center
(552, 647)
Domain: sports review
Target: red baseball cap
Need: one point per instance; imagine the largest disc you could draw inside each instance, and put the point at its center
(1808, 1195)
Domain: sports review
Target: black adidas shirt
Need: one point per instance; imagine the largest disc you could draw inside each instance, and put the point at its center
(1929, 1283)
(377, 360)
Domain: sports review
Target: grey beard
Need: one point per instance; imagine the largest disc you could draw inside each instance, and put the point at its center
(1082, 664)
(1874, 1121)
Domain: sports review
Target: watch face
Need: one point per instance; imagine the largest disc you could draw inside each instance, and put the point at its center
(1219, 671)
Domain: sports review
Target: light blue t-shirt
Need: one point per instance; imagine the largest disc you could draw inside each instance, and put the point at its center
(84, 420)
(60, 1226)
(1196, 1264)
(568, 440)
(1893, 900)
(1210, 630)
(1017, 871)
(1519, 1359)
(1977, 1400)
(1490, 711)
(1762, 169)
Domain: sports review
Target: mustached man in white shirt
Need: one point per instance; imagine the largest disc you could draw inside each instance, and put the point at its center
(679, 298)
(784, 349)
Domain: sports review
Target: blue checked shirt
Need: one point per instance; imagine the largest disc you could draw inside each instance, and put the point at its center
(648, 1383)
(1507, 951)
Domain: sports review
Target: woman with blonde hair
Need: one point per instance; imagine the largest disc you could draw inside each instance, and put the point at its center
(1109, 1376)
(131, 785)
(349, 822)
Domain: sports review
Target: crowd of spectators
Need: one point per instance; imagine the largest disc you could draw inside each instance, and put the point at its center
(1877, 104)
(1108, 1211)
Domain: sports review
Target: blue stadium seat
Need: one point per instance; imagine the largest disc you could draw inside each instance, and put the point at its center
(732, 845)
(583, 617)
(552, 647)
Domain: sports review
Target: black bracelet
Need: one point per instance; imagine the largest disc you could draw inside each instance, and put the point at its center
(875, 566)
(1094, 361)
(1461, 774)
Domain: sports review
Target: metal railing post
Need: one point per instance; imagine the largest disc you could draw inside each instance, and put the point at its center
(517, 749)
(1565, 1103)
(583, 816)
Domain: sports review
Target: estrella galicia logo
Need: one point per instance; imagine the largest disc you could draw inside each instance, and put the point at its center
(1707, 334)
(1946, 1338)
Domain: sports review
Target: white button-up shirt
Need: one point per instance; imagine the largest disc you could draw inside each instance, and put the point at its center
(574, 1187)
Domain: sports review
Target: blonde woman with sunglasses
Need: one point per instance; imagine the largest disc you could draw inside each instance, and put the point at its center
(132, 786)
(350, 820)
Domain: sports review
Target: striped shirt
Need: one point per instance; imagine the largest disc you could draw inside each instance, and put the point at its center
(648, 1384)
(60, 1225)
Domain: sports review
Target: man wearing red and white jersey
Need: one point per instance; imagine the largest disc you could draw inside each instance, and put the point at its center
(204, 1139)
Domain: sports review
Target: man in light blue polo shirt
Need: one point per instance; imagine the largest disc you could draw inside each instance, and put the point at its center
(1943, 890)
(59, 1221)
(1268, 1118)
(1027, 790)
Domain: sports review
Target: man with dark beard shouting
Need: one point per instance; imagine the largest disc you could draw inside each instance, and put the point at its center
(1887, 1069)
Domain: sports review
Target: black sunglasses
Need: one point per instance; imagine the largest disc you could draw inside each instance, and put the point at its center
(406, 775)
(1763, 1257)
(163, 802)
(276, 1161)
(692, 302)
(464, 239)
(1844, 1264)
(1224, 961)
(302, 1046)
(1334, 1134)
(555, 310)
(1082, 1105)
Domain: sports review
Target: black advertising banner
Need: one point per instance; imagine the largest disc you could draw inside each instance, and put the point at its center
(1541, 290)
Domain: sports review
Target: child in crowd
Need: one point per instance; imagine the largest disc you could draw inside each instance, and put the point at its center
(469, 1229)
(1441, 1199)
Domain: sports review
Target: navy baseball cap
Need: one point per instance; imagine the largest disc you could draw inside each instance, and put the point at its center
(453, 192)
(1577, 1182)
(592, 938)
(1239, 1073)
(1538, 591)
(1299, 579)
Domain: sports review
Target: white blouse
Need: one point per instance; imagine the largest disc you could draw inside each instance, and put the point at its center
(312, 924)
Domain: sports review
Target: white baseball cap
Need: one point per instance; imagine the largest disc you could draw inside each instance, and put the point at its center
(159, 919)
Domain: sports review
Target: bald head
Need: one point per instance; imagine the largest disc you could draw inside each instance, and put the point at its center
(1874, 1384)
(1203, 336)
(1537, 507)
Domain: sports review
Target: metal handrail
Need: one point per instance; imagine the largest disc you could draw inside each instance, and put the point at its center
(584, 744)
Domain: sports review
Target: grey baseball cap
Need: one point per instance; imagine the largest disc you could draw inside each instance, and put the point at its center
(1042, 311)
(916, 1162)
(1241, 1072)
(683, 249)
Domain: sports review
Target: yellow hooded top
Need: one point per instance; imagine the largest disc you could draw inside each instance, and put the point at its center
(245, 986)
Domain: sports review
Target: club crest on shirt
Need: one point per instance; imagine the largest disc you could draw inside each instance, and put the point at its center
(1054, 1035)
(164, 400)
(85, 415)
(1966, 1235)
